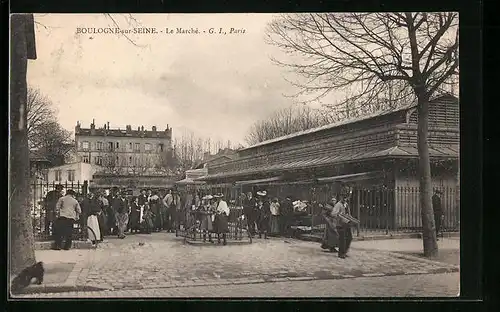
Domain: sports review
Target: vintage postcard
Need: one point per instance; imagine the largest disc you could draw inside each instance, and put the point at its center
(234, 155)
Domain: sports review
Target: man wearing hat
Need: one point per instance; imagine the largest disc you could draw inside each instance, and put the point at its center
(250, 211)
(67, 210)
(49, 204)
(438, 210)
(286, 216)
(264, 214)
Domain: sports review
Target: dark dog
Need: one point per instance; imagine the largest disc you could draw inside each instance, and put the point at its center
(21, 281)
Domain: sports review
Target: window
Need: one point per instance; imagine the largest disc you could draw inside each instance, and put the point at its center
(137, 147)
(71, 175)
(86, 159)
(58, 176)
(98, 160)
(147, 147)
(130, 161)
(130, 146)
(110, 146)
(160, 147)
(85, 145)
(99, 146)
(117, 145)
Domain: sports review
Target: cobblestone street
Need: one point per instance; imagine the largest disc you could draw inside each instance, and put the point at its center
(163, 261)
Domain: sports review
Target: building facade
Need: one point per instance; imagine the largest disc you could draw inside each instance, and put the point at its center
(123, 151)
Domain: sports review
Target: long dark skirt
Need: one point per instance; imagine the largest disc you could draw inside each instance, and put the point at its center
(158, 220)
(330, 237)
(102, 223)
(221, 224)
(111, 220)
(263, 223)
(206, 223)
(274, 225)
(134, 220)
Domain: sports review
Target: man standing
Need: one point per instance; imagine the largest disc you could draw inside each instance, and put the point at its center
(85, 205)
(438, 210)
(343, 228)
(50, 202)
(67, 208)
(249, 209)
(286, 216)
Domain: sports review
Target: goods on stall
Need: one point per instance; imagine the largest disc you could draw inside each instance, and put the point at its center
(299, 206)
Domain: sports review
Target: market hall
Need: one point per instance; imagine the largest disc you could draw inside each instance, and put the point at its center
(372, 160)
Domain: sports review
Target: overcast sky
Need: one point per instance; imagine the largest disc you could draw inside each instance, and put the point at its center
(214, 85)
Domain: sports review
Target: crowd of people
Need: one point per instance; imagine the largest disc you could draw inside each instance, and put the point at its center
(115, 213)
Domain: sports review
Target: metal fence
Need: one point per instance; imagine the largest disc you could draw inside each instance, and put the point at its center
(41, 220)
(236, 224)
(385, 211)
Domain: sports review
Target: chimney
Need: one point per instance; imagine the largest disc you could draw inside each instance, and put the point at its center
(142, 128)
(108, 125)
(129, 128)
(138, 128)
(77, 127)
(104, 126)
(153, 128)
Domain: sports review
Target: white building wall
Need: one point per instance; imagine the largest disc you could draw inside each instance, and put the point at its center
(82, 172)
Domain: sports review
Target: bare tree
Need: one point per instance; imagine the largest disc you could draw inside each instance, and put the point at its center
(40, 110)
(286, 121)
(21, 249)
(53, 140)
(414, 54)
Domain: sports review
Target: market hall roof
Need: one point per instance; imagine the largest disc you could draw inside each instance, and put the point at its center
(345, 157)
(342, 122)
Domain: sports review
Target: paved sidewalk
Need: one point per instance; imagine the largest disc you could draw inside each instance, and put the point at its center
(161, 260)
(436, 285)
(449, 248)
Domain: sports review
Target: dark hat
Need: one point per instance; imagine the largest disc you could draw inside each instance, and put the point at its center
(438, 191)
(70, 192)
(59, 187)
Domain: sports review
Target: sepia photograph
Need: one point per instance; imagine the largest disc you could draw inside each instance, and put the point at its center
(242, 155)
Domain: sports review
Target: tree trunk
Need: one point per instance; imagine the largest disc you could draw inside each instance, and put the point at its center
(428, 226)
(22, 252)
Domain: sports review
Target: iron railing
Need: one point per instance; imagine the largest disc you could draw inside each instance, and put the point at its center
(41, 220)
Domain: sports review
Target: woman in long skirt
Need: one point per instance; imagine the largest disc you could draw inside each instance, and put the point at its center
(331, 236)
(93, 230)
(205, 213)
(221, 219)
(135, 214)
(275, 214)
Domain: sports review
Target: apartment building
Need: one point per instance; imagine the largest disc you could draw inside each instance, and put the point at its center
(123, 150)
